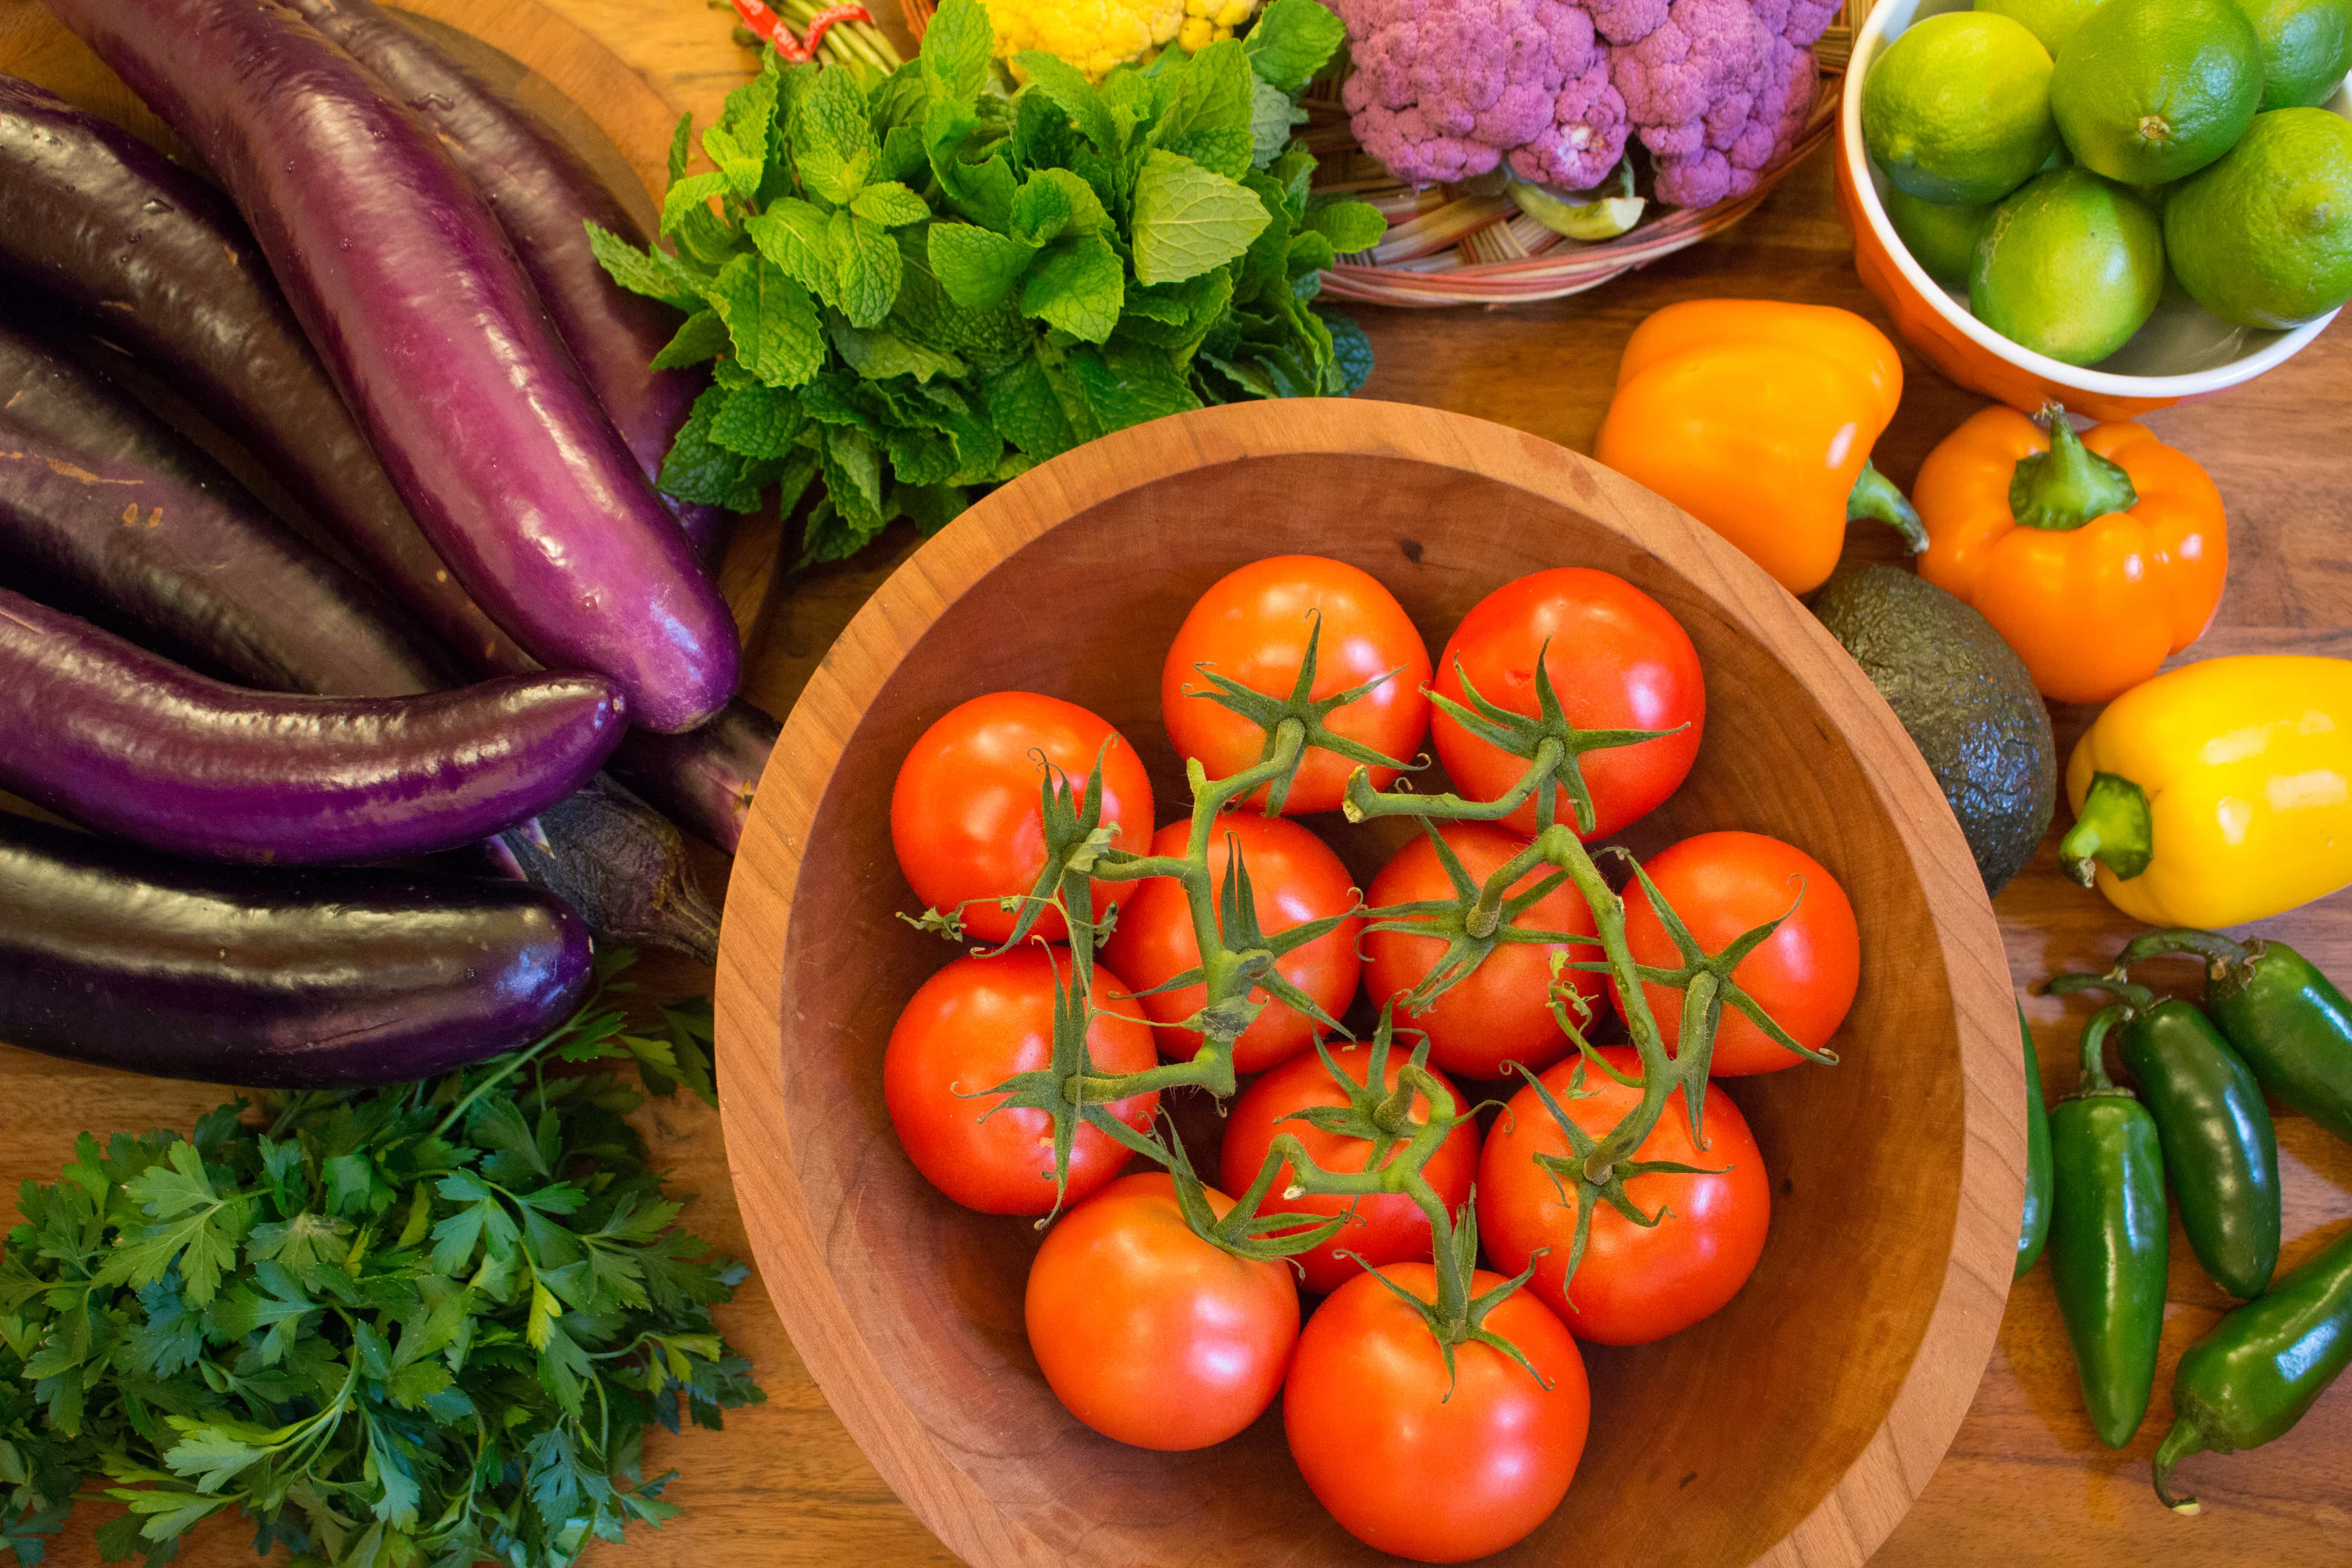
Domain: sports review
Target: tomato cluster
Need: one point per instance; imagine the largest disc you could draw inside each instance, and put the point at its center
(1164, 1312)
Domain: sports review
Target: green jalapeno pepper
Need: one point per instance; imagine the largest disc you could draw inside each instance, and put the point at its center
(2288, 1021)
(2219, 1150)
(2033, 1228)
(2107, 1238)
(2250, 1381)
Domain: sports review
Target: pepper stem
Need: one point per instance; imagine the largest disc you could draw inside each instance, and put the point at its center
(2183, 1440)
(2111, 828)
(2095, 1052)
(2214, 948)
(2137, 998)
(2068, 485)
(1874, 496)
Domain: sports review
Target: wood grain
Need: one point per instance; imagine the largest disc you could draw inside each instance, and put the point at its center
(2025, 1482)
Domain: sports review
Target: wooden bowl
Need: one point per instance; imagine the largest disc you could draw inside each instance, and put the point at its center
(1792, 1427)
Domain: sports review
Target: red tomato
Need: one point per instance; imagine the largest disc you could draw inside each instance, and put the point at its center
(974, 1025)
(1618, 661)
(1636, 1283)
(1252, 627)
(1501, 1012)
(1295, 879)
(1387, 1227)
(1804, 977)
(965, 816)
(1435, 1469)
(1150, 1335)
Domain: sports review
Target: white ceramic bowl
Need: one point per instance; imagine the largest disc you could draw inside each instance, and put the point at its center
(2182, 354)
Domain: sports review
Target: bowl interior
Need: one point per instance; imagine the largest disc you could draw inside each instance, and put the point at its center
(2183, 351)
(1708, 1447)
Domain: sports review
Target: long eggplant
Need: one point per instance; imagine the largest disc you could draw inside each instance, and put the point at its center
(193, 560)
(133, 744)
(637, 887)
(156, 261)
(402, 281)
(703, 780)
(275, 979)
(544, 195)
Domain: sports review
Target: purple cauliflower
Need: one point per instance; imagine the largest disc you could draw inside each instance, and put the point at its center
(1734, 153)
(1445, 90)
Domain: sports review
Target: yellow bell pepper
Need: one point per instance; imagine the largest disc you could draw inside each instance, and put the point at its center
(1757, 417)
(2218, 792)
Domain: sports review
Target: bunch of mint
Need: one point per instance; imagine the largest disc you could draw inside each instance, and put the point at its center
(918, 283)
(412, 1328)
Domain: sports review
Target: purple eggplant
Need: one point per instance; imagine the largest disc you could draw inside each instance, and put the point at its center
(178, 550)
(306, 979)
(544, 196)
(703, 780)
(402, 279)
(156, 261)
(135, 745)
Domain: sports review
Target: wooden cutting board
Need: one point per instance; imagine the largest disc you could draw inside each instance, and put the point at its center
(2026, 1482)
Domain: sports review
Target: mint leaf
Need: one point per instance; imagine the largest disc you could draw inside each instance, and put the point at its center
(1272, 112)
(702, 337)
(697, 471)
(1055, 202)
(1212, 110)
(1352, 353)
(877, 356)
(647, 271)
(853, 480)
(742, 168)
(1066, 88)
(1351, 226)
(977, 267)
(956, 50)
(1127, 385)
(748, 115)
(757, 422)
(869, 264)
(797, 237)
(891, 205)
(771, 319)
(681, 147)
(1292, 41)
(1023, 405)
(1189, 219)
(1078, 285)
(687, 197)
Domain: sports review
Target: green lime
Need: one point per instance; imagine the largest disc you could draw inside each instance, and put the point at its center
(1958, 109)
(2149, 90)
(2052, 21)
(2263, 238)
(1943, 239)
(2070, 267)
(2306, 48)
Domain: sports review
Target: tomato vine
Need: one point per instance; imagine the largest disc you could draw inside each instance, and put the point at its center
(1239, 979)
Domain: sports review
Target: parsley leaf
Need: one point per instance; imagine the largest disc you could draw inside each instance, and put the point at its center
(391, 1327)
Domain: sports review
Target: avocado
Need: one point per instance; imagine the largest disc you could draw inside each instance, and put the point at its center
(1964, 696)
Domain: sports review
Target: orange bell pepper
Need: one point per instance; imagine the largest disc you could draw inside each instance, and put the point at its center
(2096, 557)
(1757, 418)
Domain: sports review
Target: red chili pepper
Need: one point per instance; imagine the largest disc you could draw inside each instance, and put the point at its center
(769, 27)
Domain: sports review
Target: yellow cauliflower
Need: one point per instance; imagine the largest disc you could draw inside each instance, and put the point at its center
(1093, 35)
(1206, 21)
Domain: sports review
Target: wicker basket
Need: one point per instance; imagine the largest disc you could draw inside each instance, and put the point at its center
(1447, 247)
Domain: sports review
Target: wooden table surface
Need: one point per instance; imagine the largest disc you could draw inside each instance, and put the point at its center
(2026, 1481)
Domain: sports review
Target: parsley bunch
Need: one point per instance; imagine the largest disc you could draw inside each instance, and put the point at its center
(916, 283)
(400, 1328)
